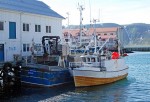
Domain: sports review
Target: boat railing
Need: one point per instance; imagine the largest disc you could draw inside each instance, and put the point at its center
(91, 64)
(75, 64)
(87, 64)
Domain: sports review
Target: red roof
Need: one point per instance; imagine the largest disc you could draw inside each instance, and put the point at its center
(108, 36)
(90, 31)
(102, 30)
(73, 32)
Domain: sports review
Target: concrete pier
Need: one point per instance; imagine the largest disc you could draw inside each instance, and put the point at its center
(137, 48)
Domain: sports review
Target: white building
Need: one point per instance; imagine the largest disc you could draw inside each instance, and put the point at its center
(22, 21)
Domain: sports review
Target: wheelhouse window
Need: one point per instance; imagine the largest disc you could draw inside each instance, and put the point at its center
(48, 29)
(83, 59)
(88, 59)
(93, 59)
(25, 27)
(1, 25)
(26, 47)
(37, 28)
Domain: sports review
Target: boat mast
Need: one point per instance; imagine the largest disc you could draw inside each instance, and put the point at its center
(68, 35)
(69, 42)
(95, 39)
(118, 40)
(95, 42)
(80, 7)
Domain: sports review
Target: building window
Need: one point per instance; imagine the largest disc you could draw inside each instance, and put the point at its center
(1, 25)
(105, 34)
(103, 40)
(37, 28)
(111, 33)
(26, 47)
(48, 29)
(25, 27)
(38, 47)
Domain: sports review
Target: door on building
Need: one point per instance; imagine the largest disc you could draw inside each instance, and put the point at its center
(12, 30)
(1, 52)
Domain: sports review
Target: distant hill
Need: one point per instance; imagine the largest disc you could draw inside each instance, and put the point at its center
(137, 33)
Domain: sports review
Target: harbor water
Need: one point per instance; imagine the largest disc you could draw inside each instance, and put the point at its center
(136, 87)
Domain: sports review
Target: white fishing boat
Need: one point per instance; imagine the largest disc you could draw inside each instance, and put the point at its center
(97, 70)
(100, 66)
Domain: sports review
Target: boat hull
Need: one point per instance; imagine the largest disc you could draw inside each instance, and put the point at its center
(45, 77)
(97, 78)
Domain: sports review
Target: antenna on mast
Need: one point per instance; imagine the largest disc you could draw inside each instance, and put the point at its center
(90, 11)
(99, 16)
(68, 17)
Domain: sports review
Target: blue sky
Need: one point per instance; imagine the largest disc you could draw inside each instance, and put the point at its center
(111, 11)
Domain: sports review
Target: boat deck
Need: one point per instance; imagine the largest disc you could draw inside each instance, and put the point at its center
(42, 67)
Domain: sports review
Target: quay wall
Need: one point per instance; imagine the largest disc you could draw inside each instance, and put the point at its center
(128, 49)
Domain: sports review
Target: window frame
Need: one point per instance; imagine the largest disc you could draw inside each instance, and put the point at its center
(1, 27)
(48, 29)
(38, 47)
(37, 28)
(111, 33)
(26, 27)
(25, 47)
